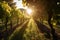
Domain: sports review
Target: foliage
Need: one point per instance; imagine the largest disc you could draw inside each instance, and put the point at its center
(16, 13)
(4, 9)
(24, 2)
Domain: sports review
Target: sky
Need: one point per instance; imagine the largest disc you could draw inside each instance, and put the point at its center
(18, 3)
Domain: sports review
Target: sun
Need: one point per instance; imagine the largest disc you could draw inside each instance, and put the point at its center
(29, 11)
